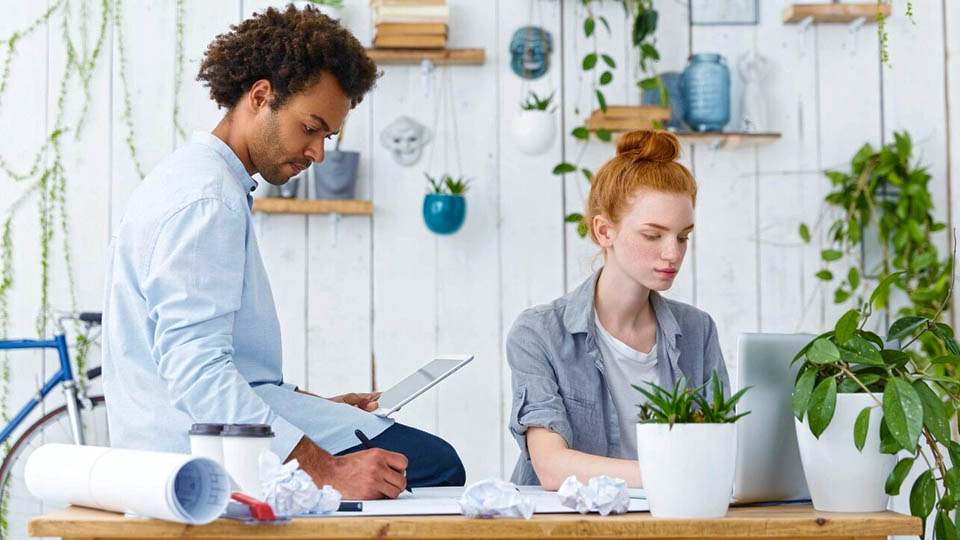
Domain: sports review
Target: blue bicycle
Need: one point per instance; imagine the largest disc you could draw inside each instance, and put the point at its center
(81, 419)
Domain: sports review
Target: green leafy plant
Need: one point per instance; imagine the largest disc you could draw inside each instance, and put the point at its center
(332, 3)
(887, 196)
(882, 30)
(535, 103)
(445, 184)
(600, 65)
(684, 405)
(917, 402)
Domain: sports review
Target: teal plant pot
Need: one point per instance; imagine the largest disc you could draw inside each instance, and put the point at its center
(444, 214)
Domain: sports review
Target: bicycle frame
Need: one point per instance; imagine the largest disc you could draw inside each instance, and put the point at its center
(64, 376)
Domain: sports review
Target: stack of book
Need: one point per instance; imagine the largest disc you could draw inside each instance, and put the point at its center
(410, 24)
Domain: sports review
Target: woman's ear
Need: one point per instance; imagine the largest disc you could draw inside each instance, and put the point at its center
(603, 231)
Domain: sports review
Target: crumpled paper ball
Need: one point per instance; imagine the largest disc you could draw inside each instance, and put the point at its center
(495, 498)
(289, 490)
(602, 494)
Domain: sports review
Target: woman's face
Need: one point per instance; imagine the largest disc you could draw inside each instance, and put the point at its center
(649, 243)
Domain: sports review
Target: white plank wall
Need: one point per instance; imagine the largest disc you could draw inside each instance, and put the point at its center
(365, 300)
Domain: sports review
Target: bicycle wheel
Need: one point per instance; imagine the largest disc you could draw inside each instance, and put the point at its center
(17, 505)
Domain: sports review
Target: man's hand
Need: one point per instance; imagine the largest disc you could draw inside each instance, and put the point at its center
(370, 474)
(366, 401)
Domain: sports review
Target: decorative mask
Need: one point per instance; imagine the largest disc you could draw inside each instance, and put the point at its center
(530, 51)
(405, 138)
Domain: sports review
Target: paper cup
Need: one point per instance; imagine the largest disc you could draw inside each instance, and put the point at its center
(205, 441)
(242, 444)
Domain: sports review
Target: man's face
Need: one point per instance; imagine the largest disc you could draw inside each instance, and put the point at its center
(288, 140)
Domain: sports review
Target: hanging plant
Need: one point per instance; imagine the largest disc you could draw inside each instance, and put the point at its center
(885, 200)
(444, 205)
(644, 25)
(534, 128)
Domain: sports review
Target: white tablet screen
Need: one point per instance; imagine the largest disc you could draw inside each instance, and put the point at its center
(420, 378)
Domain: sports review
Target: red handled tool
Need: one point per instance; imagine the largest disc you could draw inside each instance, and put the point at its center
(259, 510)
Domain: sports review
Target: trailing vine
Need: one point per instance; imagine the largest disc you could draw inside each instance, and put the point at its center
(178, 72)
(127, 114)
(45, 177)
(642, 37)
(882, 30)
(886, 196)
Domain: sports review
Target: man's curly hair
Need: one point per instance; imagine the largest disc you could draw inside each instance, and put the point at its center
(290, 49)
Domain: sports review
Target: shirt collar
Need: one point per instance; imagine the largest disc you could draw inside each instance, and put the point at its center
(236, 166)
(578, 315)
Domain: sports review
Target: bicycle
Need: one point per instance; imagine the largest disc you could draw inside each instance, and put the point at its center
(80, 420)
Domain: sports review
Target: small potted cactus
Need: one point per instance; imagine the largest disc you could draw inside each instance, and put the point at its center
(444, 206)
(535, 129)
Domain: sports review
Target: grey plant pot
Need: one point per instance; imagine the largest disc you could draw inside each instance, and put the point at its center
(336, 176)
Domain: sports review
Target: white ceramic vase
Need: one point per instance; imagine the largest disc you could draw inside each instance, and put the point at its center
(534, 131)
(680, 477)
(840, 477)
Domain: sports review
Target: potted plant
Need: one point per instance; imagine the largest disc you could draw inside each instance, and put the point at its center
(860, 400)
(534, 129)
(444, 206)
(680, 479)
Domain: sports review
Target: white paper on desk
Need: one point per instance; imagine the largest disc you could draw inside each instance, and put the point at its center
(443, 501)
(175, 487)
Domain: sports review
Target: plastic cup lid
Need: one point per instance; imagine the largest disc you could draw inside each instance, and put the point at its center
(247, 430)
(206, 429)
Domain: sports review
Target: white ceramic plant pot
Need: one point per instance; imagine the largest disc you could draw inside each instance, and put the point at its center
(840, 477)
(681, 479)
(534, 131)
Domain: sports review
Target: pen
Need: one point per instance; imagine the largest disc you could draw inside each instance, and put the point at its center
(368, 445)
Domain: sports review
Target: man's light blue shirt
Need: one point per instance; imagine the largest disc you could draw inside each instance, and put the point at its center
(190, 327)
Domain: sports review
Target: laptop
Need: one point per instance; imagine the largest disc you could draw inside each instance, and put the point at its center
(768, 459)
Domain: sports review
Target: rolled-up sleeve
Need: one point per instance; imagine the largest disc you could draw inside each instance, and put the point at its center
(536, 396)
(713, 360)
(193, 282)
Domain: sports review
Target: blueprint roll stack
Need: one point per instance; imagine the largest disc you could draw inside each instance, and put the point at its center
(174, 487)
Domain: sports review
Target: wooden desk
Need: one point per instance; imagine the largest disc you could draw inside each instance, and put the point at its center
(765, 522)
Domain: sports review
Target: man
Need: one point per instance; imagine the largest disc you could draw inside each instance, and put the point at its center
(191, 331)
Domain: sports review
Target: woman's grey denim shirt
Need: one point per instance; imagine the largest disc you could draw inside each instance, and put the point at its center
(557, 372)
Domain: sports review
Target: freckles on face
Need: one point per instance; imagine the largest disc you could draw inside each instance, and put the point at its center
(653, 235)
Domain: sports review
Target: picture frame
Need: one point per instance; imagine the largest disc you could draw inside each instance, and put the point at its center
(723, 12)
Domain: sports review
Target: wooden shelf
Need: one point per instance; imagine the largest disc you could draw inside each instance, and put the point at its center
(313, 206)
(623, 118)
(726, 139)
(463, 57)
(834, 12)
(627, 117)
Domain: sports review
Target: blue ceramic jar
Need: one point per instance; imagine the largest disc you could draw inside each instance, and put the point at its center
(706, 90)
(444, 213)
(671, 80)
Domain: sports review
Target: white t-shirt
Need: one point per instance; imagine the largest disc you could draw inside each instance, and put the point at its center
(623, 365)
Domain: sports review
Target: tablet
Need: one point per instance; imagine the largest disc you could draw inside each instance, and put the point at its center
(419, 382)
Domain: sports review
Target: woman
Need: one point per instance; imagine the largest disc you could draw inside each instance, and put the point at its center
(573, 360)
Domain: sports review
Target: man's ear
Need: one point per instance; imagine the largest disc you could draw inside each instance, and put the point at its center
(259, 95)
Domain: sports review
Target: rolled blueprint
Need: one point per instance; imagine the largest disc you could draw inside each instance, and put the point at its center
(175, 487)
